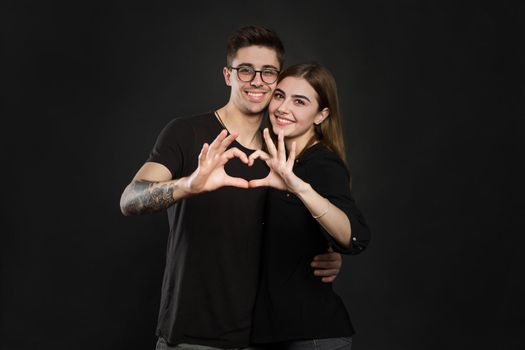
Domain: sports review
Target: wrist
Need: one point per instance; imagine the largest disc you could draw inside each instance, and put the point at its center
(186, 186)
(302, 190)
(323, 213)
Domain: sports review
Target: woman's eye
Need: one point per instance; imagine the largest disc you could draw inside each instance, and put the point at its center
(299, 102)
(277, 96)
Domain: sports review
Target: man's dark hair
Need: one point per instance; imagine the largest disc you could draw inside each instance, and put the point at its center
(254, 35)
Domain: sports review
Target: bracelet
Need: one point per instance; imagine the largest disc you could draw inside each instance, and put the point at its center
(323, 213)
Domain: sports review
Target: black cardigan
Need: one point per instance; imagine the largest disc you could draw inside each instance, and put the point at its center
(292, 303)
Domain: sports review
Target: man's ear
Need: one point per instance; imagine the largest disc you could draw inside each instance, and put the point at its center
(227, 75)
(321, 116)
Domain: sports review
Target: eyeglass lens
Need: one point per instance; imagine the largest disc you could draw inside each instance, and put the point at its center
(247, 74)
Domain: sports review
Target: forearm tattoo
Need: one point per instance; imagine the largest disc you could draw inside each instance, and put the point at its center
(148, 197)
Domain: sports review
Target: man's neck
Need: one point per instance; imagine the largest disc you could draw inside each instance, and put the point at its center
(246, 125)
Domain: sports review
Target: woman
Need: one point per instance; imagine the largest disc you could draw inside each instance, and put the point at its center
(309, 207)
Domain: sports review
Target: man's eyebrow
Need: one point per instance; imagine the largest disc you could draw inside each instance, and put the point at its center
(263, 67)
(245, 65)
(270, 66)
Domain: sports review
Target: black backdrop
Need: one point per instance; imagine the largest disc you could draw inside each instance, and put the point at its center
(432, 93)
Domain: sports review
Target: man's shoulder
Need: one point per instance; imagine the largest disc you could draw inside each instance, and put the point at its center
(198, 128)
(203, 119)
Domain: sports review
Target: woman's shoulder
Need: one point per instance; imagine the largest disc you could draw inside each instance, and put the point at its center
(320, 155)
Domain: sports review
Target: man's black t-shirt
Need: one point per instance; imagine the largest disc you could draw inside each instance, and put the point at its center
(214, 244)
(292, 303)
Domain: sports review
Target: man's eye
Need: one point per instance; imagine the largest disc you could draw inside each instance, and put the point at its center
(269, 72)
(245, 70)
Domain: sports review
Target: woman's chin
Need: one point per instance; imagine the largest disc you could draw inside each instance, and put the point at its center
(277, 128)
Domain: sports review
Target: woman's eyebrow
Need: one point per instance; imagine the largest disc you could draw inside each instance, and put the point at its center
(301, 97)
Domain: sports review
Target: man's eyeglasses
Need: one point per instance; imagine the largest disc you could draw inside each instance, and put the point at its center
(247, 74)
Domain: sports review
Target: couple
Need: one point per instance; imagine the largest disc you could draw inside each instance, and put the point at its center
(250, 213)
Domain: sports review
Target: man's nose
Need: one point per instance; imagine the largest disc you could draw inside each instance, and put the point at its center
(257, 79)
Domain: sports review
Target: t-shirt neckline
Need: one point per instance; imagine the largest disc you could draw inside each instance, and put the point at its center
(223, 127)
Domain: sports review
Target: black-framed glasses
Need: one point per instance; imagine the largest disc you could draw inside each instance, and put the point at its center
(247, 74)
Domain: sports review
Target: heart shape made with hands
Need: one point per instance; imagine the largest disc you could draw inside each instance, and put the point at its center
(211, 175)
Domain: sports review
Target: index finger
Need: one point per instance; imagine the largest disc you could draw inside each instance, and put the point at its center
(227, 141)
(257, 154)
(281, 147)
(325, 264)
(269, 143)
(218, 139)
(235, 152)
(330, 256)
(291, 155)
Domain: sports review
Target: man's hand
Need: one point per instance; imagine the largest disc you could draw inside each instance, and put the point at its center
(210, 174)
(327, 266)
(153, 189)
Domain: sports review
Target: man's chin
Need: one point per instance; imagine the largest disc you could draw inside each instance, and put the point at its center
(255, 111)
(252, 109)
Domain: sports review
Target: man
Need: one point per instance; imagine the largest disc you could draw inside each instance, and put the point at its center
(214, 245)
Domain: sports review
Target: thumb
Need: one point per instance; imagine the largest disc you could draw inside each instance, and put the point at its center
(258, 183)
(236, 182)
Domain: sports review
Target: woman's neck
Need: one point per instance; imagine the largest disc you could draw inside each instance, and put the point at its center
(301, 143)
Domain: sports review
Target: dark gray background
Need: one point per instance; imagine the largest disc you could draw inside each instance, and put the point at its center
(432, 95)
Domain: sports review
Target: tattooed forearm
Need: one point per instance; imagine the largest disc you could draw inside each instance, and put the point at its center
(142, 197)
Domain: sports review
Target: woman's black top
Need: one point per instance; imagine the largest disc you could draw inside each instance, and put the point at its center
(292, 303)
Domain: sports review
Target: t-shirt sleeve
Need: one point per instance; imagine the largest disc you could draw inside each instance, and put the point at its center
(330, 178)
(169, 145)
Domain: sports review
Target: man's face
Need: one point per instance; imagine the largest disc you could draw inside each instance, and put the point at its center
(253, 96)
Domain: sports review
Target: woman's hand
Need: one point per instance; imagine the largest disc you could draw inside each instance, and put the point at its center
(281, 174)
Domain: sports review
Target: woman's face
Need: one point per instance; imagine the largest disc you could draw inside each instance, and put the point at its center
(294, 110)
